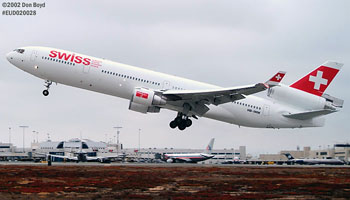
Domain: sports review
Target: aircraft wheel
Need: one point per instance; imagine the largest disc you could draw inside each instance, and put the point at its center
(173, 124)
(45, 92)
(182, 125)
(188, 122)
(178, 120)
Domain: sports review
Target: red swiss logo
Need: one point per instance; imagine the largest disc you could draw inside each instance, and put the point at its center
(74, 58)
(142, 94)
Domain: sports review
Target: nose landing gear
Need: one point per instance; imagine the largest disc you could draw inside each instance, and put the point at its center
(47, 85)
(181, 121)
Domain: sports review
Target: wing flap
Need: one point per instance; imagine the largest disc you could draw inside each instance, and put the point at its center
(309, 114)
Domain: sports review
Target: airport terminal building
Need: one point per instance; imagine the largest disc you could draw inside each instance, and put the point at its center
(39, 150)
(340, 151)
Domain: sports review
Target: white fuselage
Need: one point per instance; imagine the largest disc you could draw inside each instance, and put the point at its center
(119, 80)
(187, 157)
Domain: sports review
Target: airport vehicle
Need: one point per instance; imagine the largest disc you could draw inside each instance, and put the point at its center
(190, 157)
(330, 161)
(301, 104)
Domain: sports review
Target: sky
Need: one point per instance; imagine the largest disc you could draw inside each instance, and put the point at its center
(225, 43)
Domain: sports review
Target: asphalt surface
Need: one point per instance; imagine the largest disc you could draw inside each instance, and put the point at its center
(166, 164)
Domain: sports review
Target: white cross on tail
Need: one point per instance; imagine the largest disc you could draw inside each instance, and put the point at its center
(318, 80)
(278, 77)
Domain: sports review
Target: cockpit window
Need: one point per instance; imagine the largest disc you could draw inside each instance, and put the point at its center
(19, 50)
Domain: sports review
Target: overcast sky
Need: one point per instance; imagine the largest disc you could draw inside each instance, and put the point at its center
(226, 43)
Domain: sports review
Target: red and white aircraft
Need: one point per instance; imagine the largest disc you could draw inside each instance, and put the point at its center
(302, 104)
(190, 157)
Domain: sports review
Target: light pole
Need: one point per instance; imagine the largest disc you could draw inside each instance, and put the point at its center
(9, 135)
(24, 127)
(139, 144)
(37, 137)
(33, 136)
(118, 128)
(139, 138)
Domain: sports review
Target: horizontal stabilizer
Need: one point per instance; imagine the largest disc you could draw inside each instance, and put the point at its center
(309, 114)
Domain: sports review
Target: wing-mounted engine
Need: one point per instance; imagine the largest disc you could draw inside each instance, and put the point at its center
(144, 100)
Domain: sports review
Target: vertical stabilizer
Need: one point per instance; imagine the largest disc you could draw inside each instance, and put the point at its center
(210, 146)
(317, 81)
(289, 156)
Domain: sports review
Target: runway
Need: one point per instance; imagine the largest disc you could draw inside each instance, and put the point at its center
(169, 165)
(171, 181)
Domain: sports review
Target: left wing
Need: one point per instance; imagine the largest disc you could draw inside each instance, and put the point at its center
(196, 101)
(215, 96)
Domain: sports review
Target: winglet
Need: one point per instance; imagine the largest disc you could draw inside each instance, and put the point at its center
(276, 79)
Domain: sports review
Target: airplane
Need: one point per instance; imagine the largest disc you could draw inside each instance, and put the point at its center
(235, 160)
(190, 157)
(301, 104)
(81, 156)
(332, 161)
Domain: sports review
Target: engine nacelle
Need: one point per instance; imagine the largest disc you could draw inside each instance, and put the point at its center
(170, 160)
(144, 100)
(296, 98)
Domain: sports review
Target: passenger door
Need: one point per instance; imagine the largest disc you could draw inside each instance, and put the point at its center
(266, 110)
(166, 85)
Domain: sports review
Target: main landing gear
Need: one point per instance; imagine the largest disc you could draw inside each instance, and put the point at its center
(181, 121)
(47, 85)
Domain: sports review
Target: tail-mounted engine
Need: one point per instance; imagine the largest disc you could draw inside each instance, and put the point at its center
(301, 99)
(296, 98)
(332, 102)
(144, 100)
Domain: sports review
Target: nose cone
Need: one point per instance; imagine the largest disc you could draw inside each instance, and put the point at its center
(9, 57)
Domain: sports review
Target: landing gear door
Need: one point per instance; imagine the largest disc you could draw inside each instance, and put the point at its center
(266, 110)
(166, 85)
(34, 55)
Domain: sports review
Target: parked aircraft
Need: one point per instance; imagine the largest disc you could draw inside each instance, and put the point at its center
(235, 160)
(190, 157)
(332, 161)
(82, 156)
(302, 104)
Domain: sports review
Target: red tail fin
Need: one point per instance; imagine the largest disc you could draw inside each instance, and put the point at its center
(317, 81)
